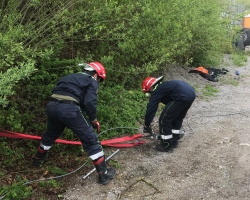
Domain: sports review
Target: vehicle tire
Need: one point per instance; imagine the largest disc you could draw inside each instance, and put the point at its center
(246, 37)
(240, 43)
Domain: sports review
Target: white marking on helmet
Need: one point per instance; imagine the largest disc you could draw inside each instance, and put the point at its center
(89, 68)
(149, 81)
(96, 65)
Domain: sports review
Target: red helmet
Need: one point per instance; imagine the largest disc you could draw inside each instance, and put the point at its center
(149, 82)
(99, 68)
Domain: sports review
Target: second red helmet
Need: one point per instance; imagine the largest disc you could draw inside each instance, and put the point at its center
(149, 82)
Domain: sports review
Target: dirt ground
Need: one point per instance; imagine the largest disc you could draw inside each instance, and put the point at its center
(212, 160)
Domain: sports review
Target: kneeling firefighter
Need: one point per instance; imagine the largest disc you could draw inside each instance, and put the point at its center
(178, 97)
(73, 104)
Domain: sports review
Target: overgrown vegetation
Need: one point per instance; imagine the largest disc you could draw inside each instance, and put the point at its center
(43, 40)
(239, 58)
(209, 91)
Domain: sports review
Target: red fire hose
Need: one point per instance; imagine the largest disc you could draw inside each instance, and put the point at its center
(116, 142)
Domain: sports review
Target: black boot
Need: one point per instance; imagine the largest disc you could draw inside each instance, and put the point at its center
(175, 140)
(165, 146)
(40, 157)
(175, 143)
(105, 174)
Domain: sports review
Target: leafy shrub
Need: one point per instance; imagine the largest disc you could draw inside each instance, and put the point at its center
(120, 108)
(239, 58)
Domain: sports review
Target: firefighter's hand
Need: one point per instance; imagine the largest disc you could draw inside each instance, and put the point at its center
(96, 126)
(148, 129)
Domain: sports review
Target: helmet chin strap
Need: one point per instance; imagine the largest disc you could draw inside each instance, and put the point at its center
(96, 77)
(155, 86)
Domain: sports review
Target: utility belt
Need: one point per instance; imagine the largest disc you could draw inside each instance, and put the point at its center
(63, 99)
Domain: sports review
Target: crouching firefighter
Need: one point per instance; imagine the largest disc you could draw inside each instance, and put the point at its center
(178, 97)
(73, 104)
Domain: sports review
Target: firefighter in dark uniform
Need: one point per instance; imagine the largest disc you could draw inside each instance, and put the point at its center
(178, 97)
(73, 98)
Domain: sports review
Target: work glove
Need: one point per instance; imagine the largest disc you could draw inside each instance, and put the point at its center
(96, 126)
(148, 129)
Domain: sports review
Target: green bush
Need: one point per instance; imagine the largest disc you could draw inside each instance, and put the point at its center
(120, 108)
(239, 58)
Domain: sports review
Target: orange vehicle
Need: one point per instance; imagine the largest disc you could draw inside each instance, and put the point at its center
(246, 22)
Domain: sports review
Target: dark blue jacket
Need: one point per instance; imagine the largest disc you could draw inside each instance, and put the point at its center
(174, 90)
(83, 88)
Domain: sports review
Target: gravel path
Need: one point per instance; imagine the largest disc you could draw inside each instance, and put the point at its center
(211, 162)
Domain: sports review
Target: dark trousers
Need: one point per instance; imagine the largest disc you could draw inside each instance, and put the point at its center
(61, 115)
(172, 116)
